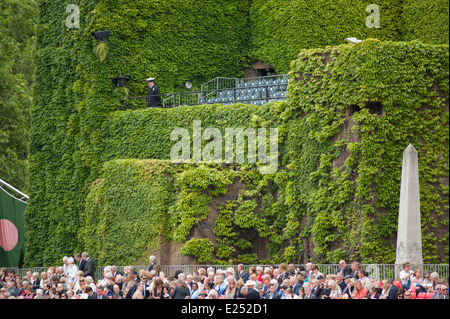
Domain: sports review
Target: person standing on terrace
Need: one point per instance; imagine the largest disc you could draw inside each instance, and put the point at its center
(154, 95)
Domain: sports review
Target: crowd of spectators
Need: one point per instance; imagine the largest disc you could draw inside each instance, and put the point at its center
(75, 280)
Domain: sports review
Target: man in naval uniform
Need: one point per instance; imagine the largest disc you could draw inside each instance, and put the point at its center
(153, 97)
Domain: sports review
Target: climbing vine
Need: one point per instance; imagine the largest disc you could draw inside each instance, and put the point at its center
(101, 179)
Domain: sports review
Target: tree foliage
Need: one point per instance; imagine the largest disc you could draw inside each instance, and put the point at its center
(17, 19)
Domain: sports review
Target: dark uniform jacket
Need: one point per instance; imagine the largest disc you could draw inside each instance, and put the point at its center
(154, 98)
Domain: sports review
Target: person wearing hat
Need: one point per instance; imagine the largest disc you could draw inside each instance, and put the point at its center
(153, 96)
(249, 291)
(348, 287)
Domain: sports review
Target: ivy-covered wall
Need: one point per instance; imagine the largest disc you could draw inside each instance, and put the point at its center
(425, 20)
(173, 41)
(141, 205)
(351, 112)
(372, 100)
(335, 192)
(281, 28)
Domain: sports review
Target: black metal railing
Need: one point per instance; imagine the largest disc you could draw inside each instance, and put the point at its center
(258, 94)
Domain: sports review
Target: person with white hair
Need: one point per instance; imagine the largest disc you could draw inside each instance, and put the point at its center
(189, 281)
(434, 279)
(71, 269)
(336, 292)
(259, 274)
(65, 259)
(39, 294)
(34, 280)
(212, 294)
(107, 278)
(152, 260)
(275, 283)
(115, 272)
(210, 278)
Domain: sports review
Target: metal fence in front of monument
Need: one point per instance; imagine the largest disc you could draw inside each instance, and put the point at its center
(377, 271)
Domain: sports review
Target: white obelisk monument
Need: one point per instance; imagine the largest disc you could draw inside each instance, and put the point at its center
(409, 234)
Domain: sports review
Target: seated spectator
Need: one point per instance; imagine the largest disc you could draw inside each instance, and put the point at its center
(355, 267)
(260, 274)
(282, 291)
(294, 284)
(194, 291)
(400, 293)
(407, 295)
(434, 278)
(439, 294)
(365, 281)
(335, 290)
(219, 285)
(289, 294)
(11, 288)
(308, 293)
(406, 275)
(272, 294)
(139, 292)
(427, 283)
(416, 279)
(249, 292)
(373, 292)
(39, 294)
(71, 294)
(390, 290)
(315, 271)
(232, 291)
(359, 292)
(212, 294)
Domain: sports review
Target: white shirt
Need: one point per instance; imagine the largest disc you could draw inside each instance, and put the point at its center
(403, 274)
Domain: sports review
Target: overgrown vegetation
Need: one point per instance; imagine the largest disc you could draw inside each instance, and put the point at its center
(17, 19)
(100, 176)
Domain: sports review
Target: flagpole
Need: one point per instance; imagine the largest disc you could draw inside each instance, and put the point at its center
(14, 189)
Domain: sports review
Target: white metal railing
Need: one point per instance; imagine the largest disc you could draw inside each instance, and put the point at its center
(220, 83)
(377, 271)
(24, 196)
